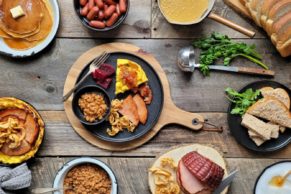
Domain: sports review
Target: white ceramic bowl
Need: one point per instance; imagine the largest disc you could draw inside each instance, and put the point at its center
(4, 49)
(262, 184)
(61, 174)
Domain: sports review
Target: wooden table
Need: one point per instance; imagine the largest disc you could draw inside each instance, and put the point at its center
(40, 80)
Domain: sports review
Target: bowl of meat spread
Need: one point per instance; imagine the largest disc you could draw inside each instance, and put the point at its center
(85, 175)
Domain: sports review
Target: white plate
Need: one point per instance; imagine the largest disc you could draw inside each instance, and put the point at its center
(59, 179)
(4, 49)
(278, 169)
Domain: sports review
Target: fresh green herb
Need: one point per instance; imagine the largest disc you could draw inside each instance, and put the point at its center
(243, 100)
(221, 46)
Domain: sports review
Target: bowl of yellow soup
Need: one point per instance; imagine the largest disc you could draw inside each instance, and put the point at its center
(185, 12)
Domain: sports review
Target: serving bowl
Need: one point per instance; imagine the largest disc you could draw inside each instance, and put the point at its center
(61, 174)
(90, 89)
(85, 21)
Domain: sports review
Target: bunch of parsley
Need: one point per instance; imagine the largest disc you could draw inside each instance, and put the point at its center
(221, 46)
(243, 100)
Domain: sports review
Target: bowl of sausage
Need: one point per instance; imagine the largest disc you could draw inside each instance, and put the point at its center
(101, 15)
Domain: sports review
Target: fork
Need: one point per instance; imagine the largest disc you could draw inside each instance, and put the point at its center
(93, 66)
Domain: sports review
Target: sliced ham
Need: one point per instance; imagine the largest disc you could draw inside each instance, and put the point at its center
(141, 108)
(188, 182)
(22, 149)
(21, 114)
(129, 110)
(203, 169)
(31, 128)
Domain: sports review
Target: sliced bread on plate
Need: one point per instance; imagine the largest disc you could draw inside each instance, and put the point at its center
(273, 110)
(277, 93)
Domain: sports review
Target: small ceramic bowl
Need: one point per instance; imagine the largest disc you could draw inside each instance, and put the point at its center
(61, 174)
(90, 89)
(85, 22)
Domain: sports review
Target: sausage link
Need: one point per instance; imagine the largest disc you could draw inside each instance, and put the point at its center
(109, 11)
(91, 4)
(84, 11)
(97, 24)
(110, 2)
(122, 6)
(99, 3)
(93, 13)
(112, 20)
(117, 10)
(83, 2)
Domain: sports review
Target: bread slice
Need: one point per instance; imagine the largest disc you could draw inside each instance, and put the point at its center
(258, 141)
(262, 129)
(254, 7)
(277, 93)
(284, 48)
(266, 7)
(273, 110)
(274, 131)
(276, 12)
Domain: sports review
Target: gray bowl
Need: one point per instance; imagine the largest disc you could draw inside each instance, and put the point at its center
(61, 174)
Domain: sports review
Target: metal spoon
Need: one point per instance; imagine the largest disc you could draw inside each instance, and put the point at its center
(186, 62)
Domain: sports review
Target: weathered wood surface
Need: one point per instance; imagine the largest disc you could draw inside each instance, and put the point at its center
(61, 140)
(40, 80)
(132, 177)
(145, 20)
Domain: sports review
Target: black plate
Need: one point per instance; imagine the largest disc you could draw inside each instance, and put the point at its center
(259, 177)
(240, 133)
(85, 22)
(154, 109)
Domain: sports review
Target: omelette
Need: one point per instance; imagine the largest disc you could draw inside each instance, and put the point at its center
(129, 75)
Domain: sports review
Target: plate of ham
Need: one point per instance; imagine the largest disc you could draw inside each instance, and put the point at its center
(192, 169)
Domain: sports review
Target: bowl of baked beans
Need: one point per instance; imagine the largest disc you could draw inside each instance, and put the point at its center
(91, 104)
(101, 15)
(85, 175)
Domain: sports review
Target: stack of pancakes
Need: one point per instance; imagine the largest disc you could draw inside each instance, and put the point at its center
(33, 128)
(26, 31)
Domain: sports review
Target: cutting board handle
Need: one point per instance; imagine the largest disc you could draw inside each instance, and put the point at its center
(175, 115)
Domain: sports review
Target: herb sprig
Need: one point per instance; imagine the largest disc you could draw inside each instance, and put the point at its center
(243, 100)
(221, 46)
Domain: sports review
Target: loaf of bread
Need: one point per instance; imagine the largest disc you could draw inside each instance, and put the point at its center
(275, 17)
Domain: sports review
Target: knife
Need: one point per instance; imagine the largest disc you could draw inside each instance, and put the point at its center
(225, 182)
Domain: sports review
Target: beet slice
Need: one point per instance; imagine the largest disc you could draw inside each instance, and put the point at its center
(104, 83)
(105, 71)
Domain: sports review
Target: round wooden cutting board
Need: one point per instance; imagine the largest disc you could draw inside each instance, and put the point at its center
(177, 153)
(170, 114)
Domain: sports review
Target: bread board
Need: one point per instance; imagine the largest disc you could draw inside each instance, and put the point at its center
(177, 153)
(170, 114)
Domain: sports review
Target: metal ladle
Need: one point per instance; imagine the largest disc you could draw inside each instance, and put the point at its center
(186, 62)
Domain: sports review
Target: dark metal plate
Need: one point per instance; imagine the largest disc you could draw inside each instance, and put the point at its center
(240, 133)
(154, 109)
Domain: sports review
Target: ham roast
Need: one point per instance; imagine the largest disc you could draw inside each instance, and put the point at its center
(197, 174)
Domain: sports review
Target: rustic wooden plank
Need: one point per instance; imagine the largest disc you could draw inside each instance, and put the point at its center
(162, 29)
(136, 25)
(39, 80)
(61, 140)
(131, 173)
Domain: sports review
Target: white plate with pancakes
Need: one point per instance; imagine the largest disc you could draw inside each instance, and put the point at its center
(35, 30)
